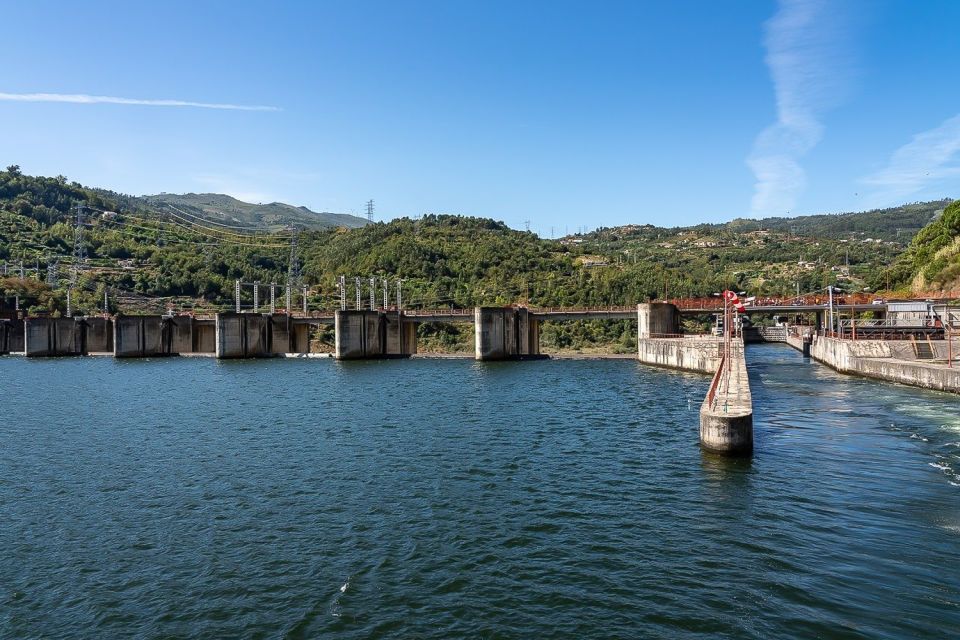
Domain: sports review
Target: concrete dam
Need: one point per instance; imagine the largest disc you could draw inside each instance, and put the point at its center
(501, 333)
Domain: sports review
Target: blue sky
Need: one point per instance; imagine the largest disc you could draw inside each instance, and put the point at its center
(566, 114)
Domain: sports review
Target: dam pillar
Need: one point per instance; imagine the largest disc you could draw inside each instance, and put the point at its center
(54, 337)
(505, 333)
(243, 335)
(657, 319)
(363, 334)
(152, 336)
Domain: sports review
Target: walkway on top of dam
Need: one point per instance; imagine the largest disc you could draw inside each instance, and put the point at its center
(692, 306)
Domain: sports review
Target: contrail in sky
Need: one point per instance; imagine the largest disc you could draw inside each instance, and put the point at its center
(808, 64)
(929, 158)
(80, 98)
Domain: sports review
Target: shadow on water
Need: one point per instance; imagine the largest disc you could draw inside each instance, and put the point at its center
(721, 467)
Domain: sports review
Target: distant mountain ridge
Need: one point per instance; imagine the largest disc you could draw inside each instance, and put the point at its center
(899, 223)
(227, 210)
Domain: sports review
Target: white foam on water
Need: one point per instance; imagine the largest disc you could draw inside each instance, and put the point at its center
(335, 608)
(951, 426)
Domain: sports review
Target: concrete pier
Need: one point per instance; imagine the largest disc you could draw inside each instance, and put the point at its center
(152, 336)
(48, 337)
(506, 333)
(243, 335)
(726, 415)
(373, 334)
(657, 320)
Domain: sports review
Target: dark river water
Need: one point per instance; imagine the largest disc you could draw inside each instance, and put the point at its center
(453, 499)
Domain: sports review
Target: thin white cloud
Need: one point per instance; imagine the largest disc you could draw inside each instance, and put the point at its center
(80, 98)
(927, 159)
(809, 65)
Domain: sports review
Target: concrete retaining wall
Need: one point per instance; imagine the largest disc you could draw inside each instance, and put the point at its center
(691, 354)
(877, 359)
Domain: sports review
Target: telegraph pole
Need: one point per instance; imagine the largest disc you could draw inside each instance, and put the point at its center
(399, 295)
(373, 293)
(356, 284)
(273, 298)
(304, 301)
(385, 292)
(236, 294)
(342, 286)
(256, 296)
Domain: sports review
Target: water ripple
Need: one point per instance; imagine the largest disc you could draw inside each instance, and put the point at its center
(444, 498)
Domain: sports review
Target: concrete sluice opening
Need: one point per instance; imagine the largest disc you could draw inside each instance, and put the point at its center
(445, 338)
(588, 337)
(321, 338)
